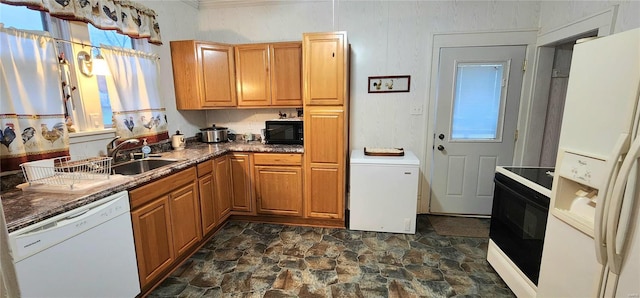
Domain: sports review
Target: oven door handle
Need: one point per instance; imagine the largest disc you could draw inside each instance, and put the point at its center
(523, 198)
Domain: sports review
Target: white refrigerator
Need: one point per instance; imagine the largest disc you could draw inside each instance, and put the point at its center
(592, 240)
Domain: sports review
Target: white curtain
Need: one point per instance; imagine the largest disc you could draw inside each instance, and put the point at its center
(135, 101)
(32, 122)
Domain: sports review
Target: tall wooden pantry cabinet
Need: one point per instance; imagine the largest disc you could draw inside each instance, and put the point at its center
(326, 124)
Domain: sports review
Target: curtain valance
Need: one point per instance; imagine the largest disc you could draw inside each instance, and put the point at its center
(129, 18)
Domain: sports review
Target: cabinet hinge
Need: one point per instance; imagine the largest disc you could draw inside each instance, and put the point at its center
(516, 135)
(524, 65)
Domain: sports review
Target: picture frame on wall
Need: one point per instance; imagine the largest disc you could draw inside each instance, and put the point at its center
(386, 84)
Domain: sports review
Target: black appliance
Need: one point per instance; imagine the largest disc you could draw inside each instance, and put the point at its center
(519, 218)
(284, 132)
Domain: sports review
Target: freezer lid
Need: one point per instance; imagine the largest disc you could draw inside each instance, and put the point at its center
(358, 157)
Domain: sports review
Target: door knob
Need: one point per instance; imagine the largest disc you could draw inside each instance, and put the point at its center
(440, 147)
(441, 136)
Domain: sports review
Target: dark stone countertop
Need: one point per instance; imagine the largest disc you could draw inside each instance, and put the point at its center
(24, 208)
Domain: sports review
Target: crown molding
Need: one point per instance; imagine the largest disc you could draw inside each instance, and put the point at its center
(244, 3)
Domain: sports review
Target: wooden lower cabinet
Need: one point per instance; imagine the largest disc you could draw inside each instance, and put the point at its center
(153, 238)
(279, 190)
(325, 161)
(222, 183)
(185, 218)
(207, 202)
(166, 223)
(325, 192)
(241, 188)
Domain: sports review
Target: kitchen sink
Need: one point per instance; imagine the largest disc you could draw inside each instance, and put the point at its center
(139, 166)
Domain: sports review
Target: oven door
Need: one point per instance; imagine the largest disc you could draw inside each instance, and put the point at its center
(518, 223)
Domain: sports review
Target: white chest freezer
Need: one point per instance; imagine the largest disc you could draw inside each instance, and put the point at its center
(383, 192)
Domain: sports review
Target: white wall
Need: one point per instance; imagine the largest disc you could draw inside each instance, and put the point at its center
(554, 14)
(387, 38)
(177, 22)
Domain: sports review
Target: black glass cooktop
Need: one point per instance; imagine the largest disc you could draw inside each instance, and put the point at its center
(537, 175)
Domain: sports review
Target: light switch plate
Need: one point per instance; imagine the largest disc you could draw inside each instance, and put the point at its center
(416, 109)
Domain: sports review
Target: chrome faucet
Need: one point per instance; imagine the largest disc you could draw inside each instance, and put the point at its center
(112, 148)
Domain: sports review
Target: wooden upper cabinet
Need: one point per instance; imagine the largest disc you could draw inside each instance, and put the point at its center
(269, 74)
(325, 68)
(203, 74)
(286, 74)
(252, 75)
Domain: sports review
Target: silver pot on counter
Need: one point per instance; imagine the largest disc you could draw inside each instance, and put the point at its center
(214, 134)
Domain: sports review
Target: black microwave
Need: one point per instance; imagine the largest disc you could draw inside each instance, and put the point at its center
(284, 132)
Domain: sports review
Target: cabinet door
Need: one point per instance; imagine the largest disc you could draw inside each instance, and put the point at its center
(252, 75)
(185, 218)
(242, 191)
(153, 239)
(324, 135)
(325, 65)
(325, 158)
(185, 80)
(286, 74)
(279, 190)
(222, 188)
(207, 208)
(216, 74)
(325, 191)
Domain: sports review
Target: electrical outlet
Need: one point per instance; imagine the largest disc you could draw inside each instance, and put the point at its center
(416, 109)
(96, 120)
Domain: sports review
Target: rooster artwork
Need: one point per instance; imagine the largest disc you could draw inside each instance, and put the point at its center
(154, 122)
(28, 134)
(8, 135)
(53, 134)
(129, 123)
(148, 125)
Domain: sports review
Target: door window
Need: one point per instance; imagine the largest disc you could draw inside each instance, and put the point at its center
(478, 102)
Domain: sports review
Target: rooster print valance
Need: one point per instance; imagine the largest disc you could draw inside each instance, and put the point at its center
(126, 17)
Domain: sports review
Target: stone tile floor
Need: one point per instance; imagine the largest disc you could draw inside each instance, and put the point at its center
(267, 260)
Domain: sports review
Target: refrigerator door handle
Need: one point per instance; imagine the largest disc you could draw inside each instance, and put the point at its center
(621, 146)
(615, 208)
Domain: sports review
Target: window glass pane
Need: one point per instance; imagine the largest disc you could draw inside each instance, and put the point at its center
(111, 38)
(21, 17)
(477, 101)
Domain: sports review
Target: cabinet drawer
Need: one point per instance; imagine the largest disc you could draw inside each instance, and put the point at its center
(146, 193)
(205, 168)
(277, 159)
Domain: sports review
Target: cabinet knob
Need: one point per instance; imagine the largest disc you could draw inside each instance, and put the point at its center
(440, 147)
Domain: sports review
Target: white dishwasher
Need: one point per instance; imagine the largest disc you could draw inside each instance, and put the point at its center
(85, 252)
(383, 194)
